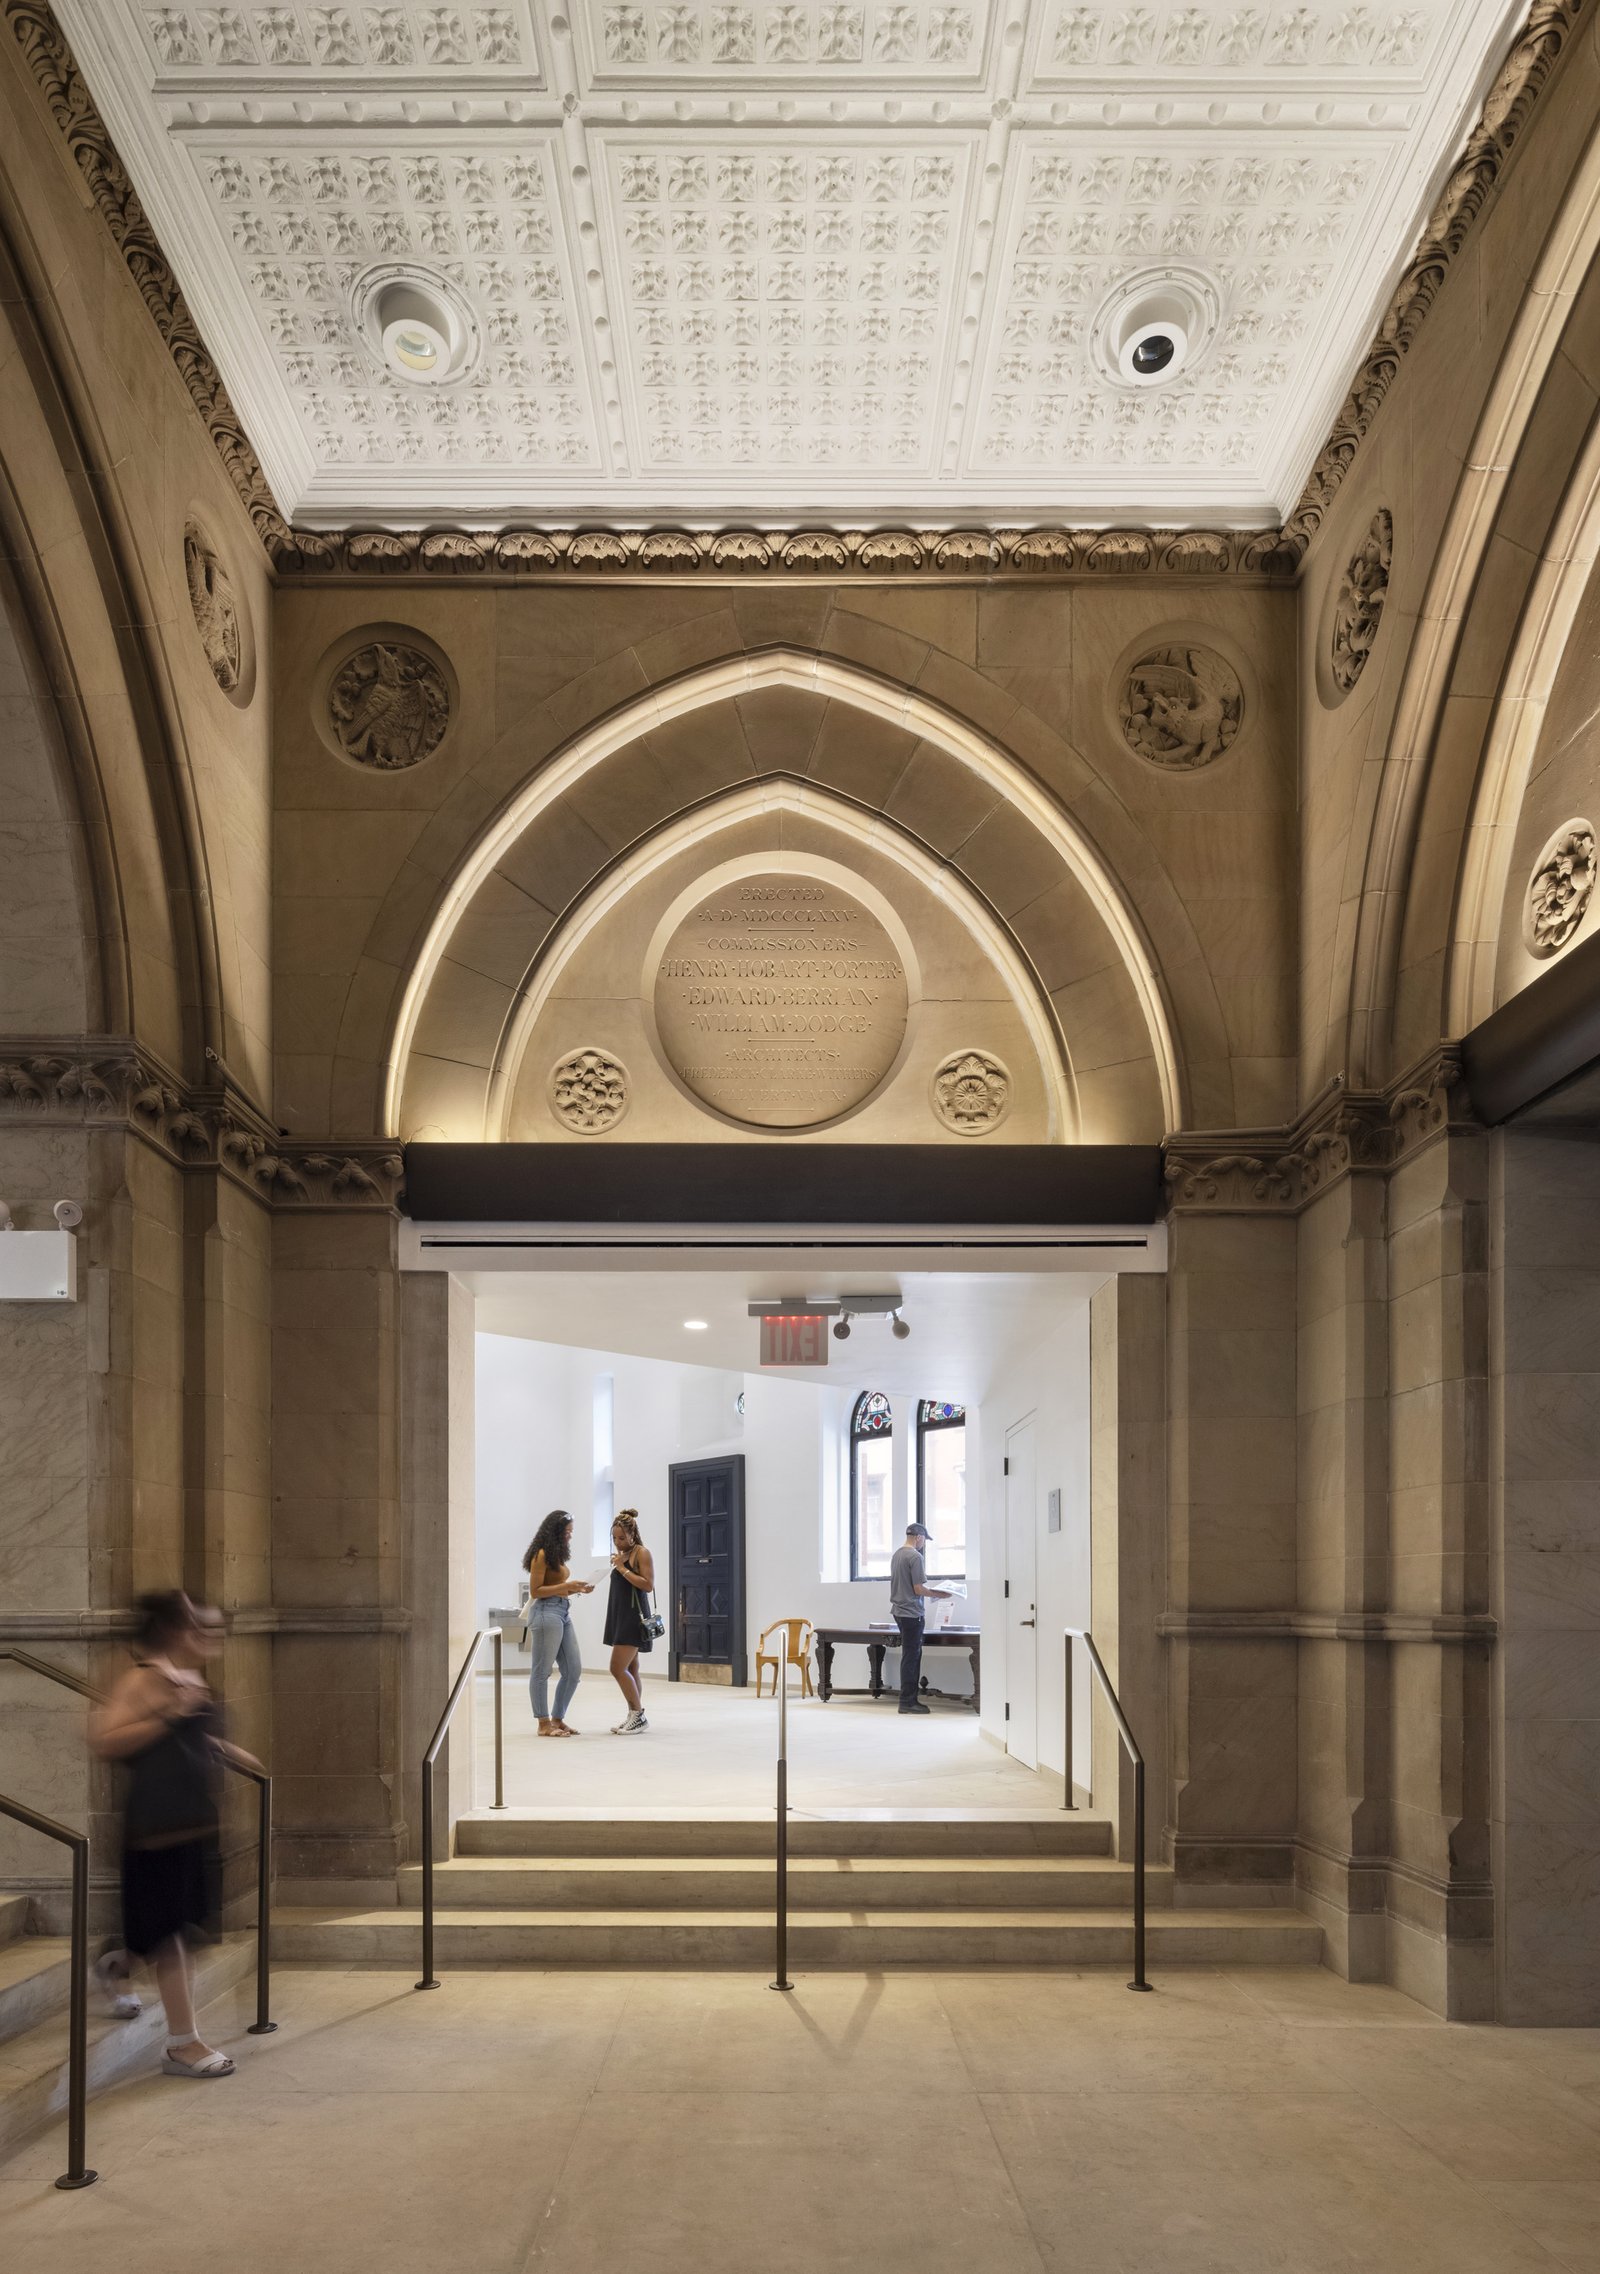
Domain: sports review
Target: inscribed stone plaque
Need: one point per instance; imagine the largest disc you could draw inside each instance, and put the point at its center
(781, 1000)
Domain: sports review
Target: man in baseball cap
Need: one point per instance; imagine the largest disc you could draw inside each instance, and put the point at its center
(908, 1591)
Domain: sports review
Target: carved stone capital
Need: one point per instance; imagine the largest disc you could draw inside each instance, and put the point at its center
(112, 1082)
(1234, 1172)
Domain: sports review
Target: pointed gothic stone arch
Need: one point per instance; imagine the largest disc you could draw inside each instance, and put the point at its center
(1083, 951)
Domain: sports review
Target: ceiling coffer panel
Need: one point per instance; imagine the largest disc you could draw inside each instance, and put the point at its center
(888, 261)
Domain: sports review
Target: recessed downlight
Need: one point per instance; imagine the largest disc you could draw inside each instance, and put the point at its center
(416, 323)
(1154, 325)
(696, 1326)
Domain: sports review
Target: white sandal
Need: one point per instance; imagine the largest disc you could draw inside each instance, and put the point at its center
(214, 2065)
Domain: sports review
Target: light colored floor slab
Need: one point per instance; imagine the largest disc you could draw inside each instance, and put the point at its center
(1259, 2122)
(714, 1748)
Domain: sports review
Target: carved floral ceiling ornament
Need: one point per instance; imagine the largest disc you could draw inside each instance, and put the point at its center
(1560, 889)
(588, 1091)
(388, 706)
(216, 611)
(1181, 706)
(939, 44)
(1358, 609)
(971, 1092)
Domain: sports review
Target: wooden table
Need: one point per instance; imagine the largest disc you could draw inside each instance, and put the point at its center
(878, 1639)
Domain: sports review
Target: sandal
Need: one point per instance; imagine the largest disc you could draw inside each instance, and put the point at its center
(214, 2065)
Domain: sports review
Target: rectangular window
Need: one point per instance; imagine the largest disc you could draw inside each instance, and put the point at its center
(874, 1506)
(942, 1486)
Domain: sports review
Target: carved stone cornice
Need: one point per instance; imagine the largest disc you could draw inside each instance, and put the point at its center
(1506, 111)
(941, 554)
(840, 555)
(1249, 1172)
(113, 1082)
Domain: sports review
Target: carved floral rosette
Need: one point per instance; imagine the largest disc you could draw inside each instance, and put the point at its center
(215, 609)
(588, 1091)
(388, 706)
(971, 1092)
(1560, 889)
(1180, 706)
(1358, 610)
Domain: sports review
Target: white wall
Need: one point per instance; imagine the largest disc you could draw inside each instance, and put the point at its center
(1048, 1380)
(535, 1404)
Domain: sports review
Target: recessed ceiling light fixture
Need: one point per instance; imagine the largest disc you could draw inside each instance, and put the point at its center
(696, 1326)
(416, 323)
(1154, 325)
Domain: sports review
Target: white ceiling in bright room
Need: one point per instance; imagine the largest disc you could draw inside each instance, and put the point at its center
(754, 259)
(964, 1325)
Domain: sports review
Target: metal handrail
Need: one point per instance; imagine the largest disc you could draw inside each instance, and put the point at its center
(430, 1980)
(77, 2173)
(263, 2025)
(781, 1980)
(1083, 1635)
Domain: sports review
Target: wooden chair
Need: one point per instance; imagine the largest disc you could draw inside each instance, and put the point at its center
(796, 1651)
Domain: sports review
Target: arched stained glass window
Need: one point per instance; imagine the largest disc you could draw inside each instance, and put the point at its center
(942, 1486)
(872, 1540)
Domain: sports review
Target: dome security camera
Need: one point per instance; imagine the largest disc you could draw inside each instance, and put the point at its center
(841, 1330)
(68, 1214)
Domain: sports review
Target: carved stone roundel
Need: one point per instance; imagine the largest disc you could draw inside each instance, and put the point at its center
(1560, 889)
(216, 612)
(388, 706)
(1362, 592)
(588, 1091)
(971, 1092)
(1181, 706)
(781, 1000)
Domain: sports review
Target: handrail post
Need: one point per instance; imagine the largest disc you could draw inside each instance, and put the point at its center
(430, 1980)
(499, 1724)
(1138, 1982)
(77, 2173)
(264, 2025)
(1069, 1802)
(782, 1922)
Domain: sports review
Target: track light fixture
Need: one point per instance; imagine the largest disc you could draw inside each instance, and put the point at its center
(841, 1330)
(900, 1328)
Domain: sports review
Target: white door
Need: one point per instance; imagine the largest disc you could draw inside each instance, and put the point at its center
(1022, 1634)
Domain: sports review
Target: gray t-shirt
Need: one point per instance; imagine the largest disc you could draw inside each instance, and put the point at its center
(906, 1569)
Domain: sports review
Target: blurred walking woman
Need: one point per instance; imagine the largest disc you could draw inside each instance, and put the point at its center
(633, 1574)
(162, 1722)
(550, 1636)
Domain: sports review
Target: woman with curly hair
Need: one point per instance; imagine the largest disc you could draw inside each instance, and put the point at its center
(633, 1574)
(550, 1636)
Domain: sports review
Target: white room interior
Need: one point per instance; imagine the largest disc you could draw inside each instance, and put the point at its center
(589, 1383)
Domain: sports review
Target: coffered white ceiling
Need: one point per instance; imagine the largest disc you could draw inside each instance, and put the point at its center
(754, 259)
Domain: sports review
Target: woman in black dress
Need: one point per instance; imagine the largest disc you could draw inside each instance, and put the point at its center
(633, 1574)
(163, 1723)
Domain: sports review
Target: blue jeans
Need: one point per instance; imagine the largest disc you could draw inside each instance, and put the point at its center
(910, 1658)
(553, 1643)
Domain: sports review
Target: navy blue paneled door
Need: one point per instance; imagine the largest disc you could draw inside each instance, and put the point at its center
(707, 1501)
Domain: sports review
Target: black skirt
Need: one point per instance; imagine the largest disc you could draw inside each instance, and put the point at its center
(625, 1614)
(171, 1890)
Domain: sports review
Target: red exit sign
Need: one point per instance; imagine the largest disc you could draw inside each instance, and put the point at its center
(795, 1338)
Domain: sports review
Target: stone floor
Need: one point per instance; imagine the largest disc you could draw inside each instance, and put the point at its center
(714, 1747)
(1258, 2123)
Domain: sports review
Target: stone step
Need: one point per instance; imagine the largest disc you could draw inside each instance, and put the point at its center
(743, 1883)
(714, 1833)
(13, 1917)
(33, 2067)
(857, 1940)
(35, 1981)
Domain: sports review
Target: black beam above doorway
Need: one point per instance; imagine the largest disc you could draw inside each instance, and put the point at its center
(1011, 1185)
